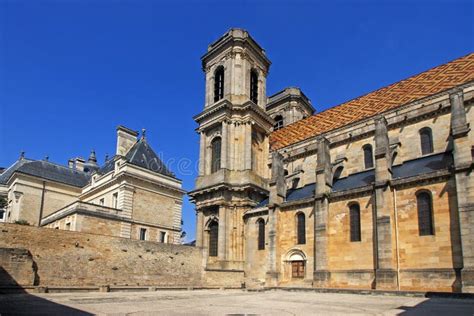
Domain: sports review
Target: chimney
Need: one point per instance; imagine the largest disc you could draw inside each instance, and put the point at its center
(70, 163)
(79, 163)
(126, 138)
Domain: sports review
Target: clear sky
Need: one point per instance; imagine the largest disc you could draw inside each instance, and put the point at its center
(72, 70)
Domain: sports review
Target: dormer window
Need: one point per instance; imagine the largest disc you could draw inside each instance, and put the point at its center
(278, 122)
(219, 83)
(254, 86)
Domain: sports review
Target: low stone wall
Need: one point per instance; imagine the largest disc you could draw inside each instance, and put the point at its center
(16, 267)
(223, 278)
(66, 258)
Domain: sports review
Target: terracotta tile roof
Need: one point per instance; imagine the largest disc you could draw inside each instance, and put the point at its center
(427, 83)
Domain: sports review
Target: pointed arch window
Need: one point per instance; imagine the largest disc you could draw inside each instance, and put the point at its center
(254, 86)
(368, 157)
(354, 217)
(215, 154)
(261, 234)
(213, 238)
(426, 141)
(278, 122)
(301, 228)
(425, 213)
(219, 83)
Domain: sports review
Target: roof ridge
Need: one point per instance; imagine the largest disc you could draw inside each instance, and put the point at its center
(381, 88)
(389, 89)
(59, 165)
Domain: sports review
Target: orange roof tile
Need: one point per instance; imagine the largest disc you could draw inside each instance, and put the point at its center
(427, 83)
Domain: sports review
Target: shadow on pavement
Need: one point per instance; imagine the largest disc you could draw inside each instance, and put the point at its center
(14, 300)
(440, 306)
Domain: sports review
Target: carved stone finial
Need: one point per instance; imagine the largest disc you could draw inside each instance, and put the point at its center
(22, 154)
(143, 133)
(46, 158)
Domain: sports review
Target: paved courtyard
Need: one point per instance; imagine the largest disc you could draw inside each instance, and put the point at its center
(229, 302)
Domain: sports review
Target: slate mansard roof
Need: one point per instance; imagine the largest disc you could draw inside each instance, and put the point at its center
(435, 80)
(46, 170)
(141, 154)
(411, 168)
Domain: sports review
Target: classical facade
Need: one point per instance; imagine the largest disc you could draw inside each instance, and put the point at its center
(133, 195)
(375, 193)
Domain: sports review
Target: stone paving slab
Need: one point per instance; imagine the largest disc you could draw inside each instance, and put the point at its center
(228, 302)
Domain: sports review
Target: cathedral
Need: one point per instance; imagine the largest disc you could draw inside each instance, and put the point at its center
(375, 193)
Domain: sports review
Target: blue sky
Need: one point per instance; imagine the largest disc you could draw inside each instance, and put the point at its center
(71, 71)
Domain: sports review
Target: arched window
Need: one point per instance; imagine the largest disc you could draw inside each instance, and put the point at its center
(261, 234)
(368, 157)
(278, 122)
(425, 213)
(301, 228)
(337, 173)
(219, 83)
(354, 218)
(254, 86)
(216, 154)
(426, 141)
(213, 238)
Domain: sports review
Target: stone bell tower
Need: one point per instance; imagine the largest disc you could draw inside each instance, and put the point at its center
(233, 159)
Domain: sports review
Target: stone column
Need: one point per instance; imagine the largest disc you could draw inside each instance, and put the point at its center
(385, 273)
(277, 196)
(199, 228)
(222, 238)
(321, 274)
(463, 166)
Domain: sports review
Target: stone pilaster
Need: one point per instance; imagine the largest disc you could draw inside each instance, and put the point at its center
(199, 228)
(225, 146)
(248, 146)
(385, 270)
(321, 274)
(125, 203)
(222, 237)
(463, 166)
(277, 196)
(202, 154)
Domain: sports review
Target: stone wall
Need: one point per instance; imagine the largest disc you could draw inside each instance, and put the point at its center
(67, 258)
(16, 267)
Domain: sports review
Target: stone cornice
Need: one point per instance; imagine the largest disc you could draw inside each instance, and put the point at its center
(398, 117)
(235, 38)
(225, 106)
